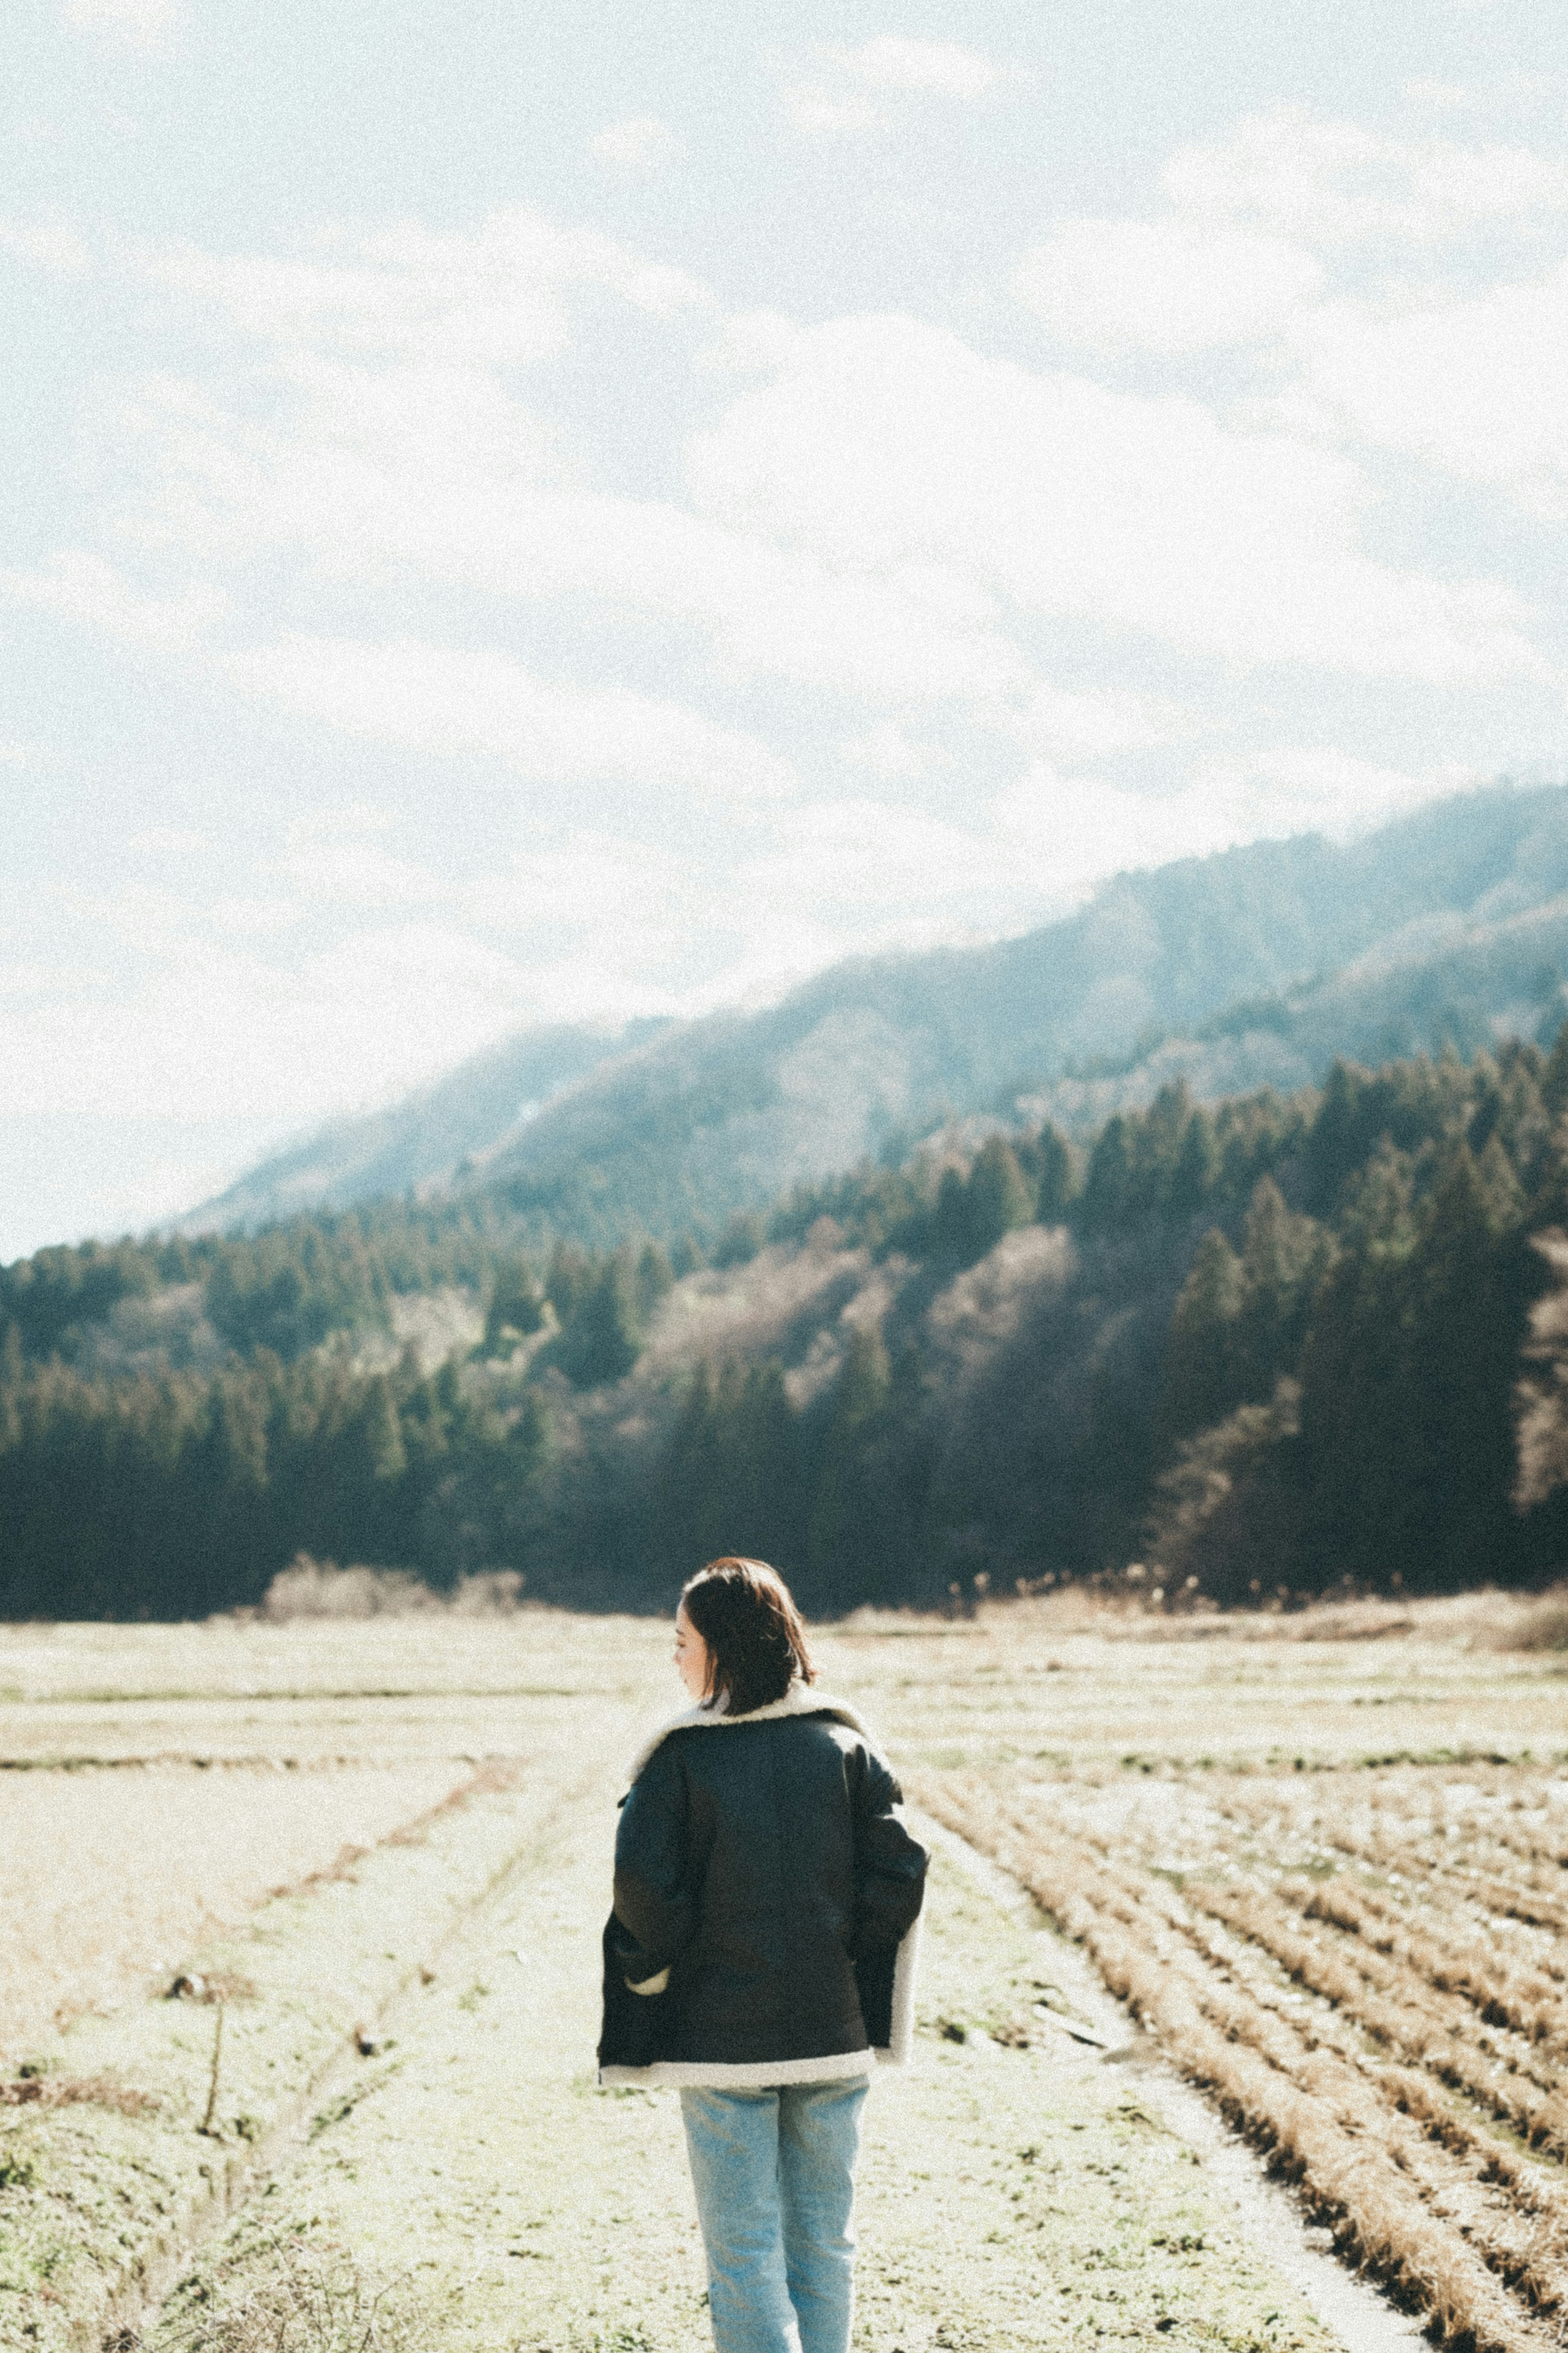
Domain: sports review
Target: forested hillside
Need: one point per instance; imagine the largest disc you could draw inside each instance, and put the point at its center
(1258, 966)
(1262, 1346)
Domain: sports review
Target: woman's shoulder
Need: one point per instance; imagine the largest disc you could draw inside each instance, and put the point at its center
(802, 1704)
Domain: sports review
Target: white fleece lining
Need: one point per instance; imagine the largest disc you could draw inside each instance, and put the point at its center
(718, 2075)
(906, 1968)
(801, 1699)
(755, 2075)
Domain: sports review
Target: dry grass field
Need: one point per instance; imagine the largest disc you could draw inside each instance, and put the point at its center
(113, 1877)
(1322, 1859)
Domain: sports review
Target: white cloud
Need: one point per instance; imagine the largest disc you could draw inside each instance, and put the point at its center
(637, 143)
(449, 700)
(428, 961)
(1044, 841)
(1079, 833)
(1164, 285)
(495, 297)
(248, 1009)
(81, 586)
(883, 443)
(142, 23)
(874, 859)
(1474, 387)
(889, 752)
(893, 61)
(367, 1014)
(48, 241)
(815, 110)
(370, 473)
(1314, 789)
(1065, 725)
(870, 86)
(1292, 175)
(585, 877)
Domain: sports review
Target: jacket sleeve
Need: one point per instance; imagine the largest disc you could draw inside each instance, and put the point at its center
(655, 1912)
(889, 1862)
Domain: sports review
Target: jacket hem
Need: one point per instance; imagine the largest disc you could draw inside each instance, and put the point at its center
(752, 2074)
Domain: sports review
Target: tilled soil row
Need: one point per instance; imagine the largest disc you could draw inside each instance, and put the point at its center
(1412, 2190)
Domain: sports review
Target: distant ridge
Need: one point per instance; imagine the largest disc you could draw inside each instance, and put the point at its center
(1254, 966)
(438, 1137)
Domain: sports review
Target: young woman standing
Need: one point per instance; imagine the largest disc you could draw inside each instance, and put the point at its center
(761, 1955)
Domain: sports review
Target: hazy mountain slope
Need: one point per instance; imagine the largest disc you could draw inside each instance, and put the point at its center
(722, 1113)
(1461, 983)
(445, 1130)
(698, 1119)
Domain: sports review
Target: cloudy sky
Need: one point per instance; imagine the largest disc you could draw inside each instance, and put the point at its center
(522, 513)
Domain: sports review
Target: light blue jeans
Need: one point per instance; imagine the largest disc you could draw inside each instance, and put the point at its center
(774, 2176)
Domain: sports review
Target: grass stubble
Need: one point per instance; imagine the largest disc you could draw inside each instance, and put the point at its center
(1322, 1873)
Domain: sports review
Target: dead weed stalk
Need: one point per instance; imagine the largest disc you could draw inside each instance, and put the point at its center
(304, 2297)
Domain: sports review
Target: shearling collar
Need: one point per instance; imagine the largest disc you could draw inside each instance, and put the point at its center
(801, 1699)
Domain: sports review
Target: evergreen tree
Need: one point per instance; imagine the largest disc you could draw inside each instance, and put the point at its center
(1201, 1368)
(742, 1237)
(655, 1282)
(949, 1220)
(686, 1257)
(846, 1543)
(1555, 1078)
(1197, 1167)
(1362, 1515)
(995, 1199)
(1282, 1262)
(1156, 1151)
(1108, 1189)
(569, 1277)
(1468, 1306)
(517, 1307)
(729, 1481)
(603, 1341)
(1056, 1170)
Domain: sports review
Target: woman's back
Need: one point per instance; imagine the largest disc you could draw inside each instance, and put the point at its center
(765, 1881)
(788, 1832)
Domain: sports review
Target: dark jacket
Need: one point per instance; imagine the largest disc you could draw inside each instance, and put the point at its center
(762, 1861)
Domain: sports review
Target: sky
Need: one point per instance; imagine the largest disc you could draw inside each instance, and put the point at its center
(522, 513)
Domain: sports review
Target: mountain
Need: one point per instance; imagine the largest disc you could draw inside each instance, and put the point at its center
(1454, 983)
(443, 1135)
(1256, 965)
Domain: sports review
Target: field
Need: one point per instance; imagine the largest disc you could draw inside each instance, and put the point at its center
(1321, 1861)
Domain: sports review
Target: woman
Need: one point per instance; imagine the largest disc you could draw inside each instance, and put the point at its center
(761, 1954)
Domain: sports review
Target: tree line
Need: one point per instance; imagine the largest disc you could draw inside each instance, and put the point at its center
(1268, 1344)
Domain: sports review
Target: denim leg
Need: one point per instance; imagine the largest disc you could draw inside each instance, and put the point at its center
(819, 2140)
(732, 2141)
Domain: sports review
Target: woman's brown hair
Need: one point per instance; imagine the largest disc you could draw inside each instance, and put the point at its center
(756, 1642)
